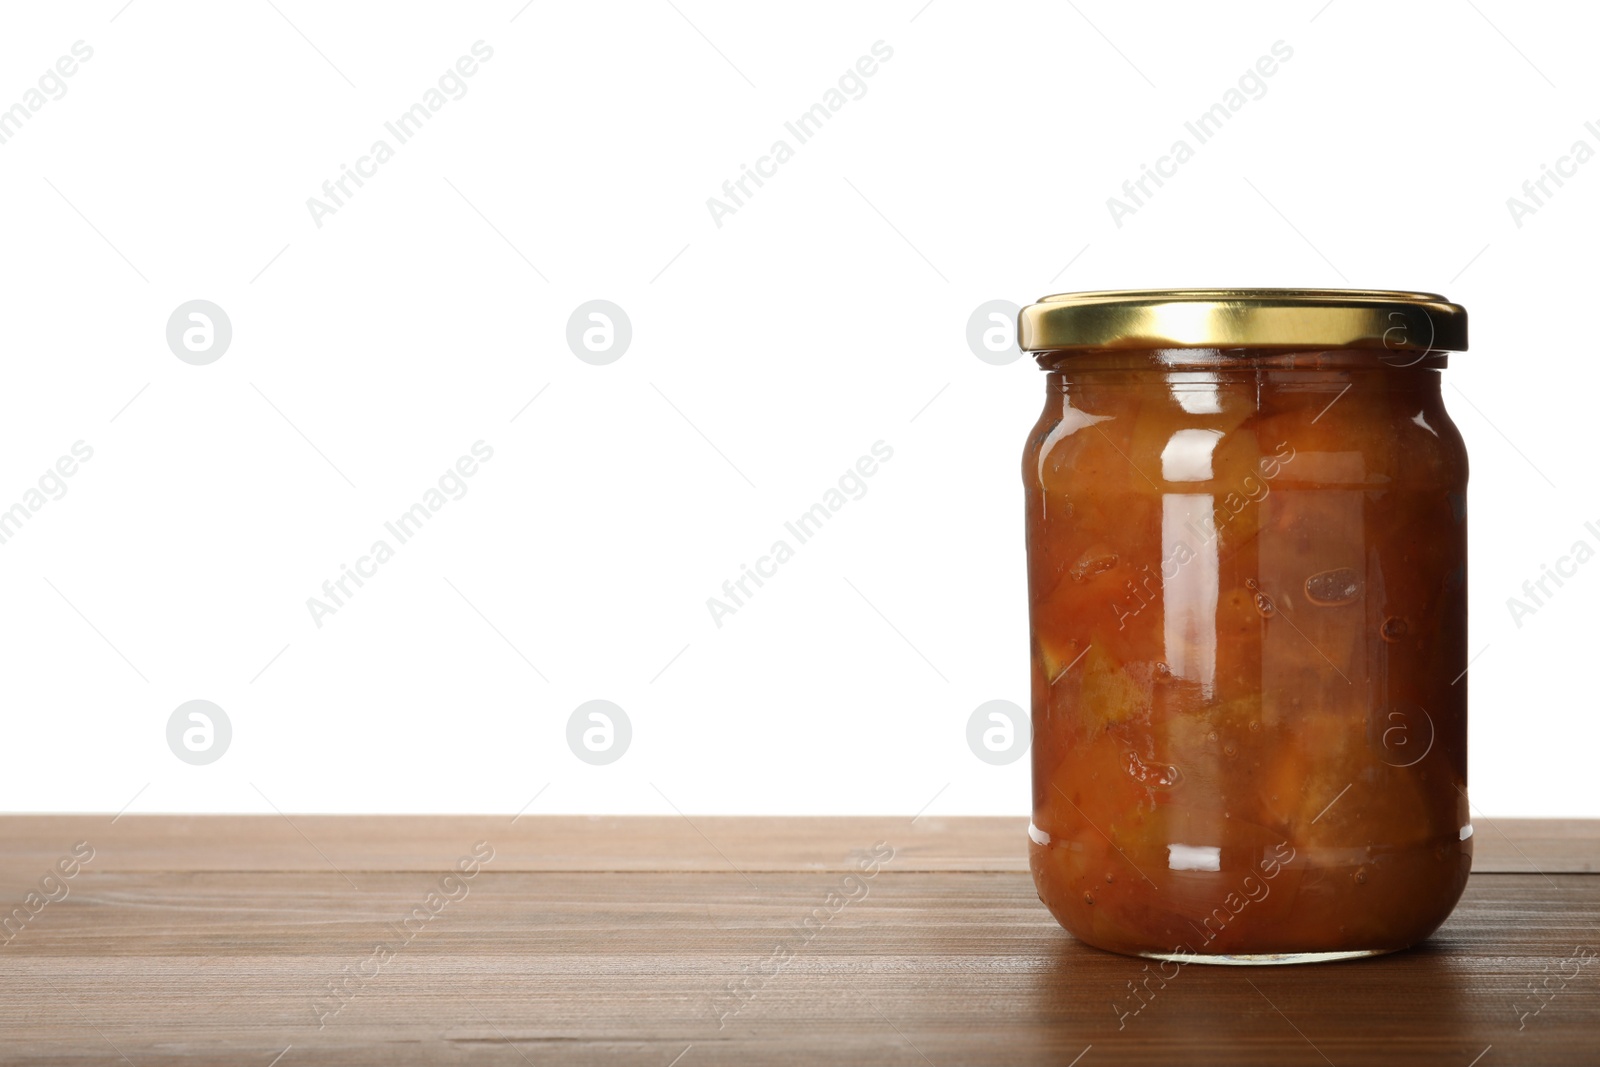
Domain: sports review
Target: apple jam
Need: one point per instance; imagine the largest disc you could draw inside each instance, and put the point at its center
(1247, 547)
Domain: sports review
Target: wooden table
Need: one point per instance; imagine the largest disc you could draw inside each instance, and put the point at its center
(234, 940)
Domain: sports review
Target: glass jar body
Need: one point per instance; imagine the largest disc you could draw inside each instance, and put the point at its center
(1247, 589)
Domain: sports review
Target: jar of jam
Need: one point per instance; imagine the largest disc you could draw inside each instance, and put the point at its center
(1247, 547)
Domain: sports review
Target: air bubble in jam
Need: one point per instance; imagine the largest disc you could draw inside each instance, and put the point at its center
(1393, 629)
(1091, 563)
(1141, 771)
(1333, 589)
(1264, 605)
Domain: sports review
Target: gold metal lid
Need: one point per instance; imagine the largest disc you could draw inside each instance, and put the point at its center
(1243, 318)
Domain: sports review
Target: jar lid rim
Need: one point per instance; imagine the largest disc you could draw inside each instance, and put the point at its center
(1395, 320)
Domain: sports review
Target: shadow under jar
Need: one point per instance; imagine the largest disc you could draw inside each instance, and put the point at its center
(1247, 548)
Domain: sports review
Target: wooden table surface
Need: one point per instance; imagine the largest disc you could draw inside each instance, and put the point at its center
(346, 940)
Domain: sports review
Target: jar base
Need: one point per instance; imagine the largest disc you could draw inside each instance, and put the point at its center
(1267, 959)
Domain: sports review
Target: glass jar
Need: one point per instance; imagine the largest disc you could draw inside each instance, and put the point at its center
(1247, 547)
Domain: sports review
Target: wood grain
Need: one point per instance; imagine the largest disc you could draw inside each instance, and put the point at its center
(213, 939)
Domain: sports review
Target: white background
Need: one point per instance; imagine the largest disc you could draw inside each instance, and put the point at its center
(827, 314)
